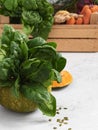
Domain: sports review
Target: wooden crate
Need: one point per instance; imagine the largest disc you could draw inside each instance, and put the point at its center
(4, 19)
(75, 38)
(71, 38)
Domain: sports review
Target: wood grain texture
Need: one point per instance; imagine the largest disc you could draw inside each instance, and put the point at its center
(71, 38)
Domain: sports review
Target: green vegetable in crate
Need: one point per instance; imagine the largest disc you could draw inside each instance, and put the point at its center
(36, 15)
(27, 69)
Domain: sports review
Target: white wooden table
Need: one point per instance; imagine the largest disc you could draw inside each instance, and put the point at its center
(80, 98)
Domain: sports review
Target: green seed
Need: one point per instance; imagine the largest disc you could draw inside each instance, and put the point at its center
(57, 113)
(58, 120)
(54, 127)
(49, 120)
(69, 128)
(65, 118)
(65, 108)
(60, 108)
(60, 124)
(65, 122)
(62, 120)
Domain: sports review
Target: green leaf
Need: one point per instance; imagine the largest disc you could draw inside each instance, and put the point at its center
(20, 37)
(4, 83)
(24, 49)
(60, 62)
(4, 68)
(3, 74)
(44, 52)
(35, 70)
(31, 17)
(57, 76)
(11, 4)
(45, 101)
(7, 35)
(30, 4)
(15, 87)
(29, 68)
(27, 28)
(53, 44)
(38, 41)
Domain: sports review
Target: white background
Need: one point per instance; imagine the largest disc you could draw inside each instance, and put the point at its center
(80, 97)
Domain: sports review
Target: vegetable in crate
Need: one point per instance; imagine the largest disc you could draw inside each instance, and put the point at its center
(69, 5)
(81, 3)
(27, 69)
(36, 15)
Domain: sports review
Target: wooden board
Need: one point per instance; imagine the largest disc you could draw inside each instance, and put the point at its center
(4, 19)
(75, 38)
(71, 38)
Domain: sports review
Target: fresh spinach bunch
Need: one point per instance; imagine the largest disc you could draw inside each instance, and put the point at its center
(29, 66)
(36, 15)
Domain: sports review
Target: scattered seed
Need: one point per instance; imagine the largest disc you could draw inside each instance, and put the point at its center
(50, 120)
(58, 120)
(60, 108)
(54, 127)
(69, 128)
(66, 118)
(62, 120)
(60, 124)
(57, 112)
(65, 108)
(65, 122)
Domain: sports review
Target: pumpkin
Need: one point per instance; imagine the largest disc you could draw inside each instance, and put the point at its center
(66, 80)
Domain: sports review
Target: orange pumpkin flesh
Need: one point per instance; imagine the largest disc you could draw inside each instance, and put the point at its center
(66, 80)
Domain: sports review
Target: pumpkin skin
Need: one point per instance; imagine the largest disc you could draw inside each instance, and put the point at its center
(20, 104)
(66, 80)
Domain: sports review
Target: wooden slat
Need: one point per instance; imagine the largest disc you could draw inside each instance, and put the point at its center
(76, 45)
(71, 38)
(4, 19)
(83, 26)
(74, 31)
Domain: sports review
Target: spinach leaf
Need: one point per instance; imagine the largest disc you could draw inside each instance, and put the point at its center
(44, 52)
(11, 4)
(53, 44)
(60, 62)
(35, 42)
(30, 4)
(36, 70)
(15, 87)
(57, 76)
(45, 101)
